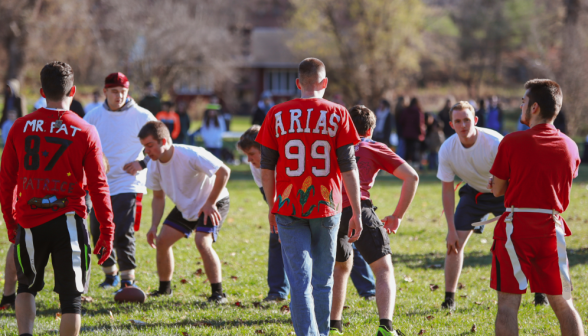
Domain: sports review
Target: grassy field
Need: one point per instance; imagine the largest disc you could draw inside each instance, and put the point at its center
(418, 252)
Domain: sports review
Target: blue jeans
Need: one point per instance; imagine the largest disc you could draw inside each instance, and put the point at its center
(308, 249)
(276, 275)
(362, 275)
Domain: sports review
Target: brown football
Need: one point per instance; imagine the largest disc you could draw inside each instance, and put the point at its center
(130, 294)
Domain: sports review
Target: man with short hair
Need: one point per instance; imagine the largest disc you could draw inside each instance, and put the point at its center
(469, 154)
(533, 171)
(373, 244)
(118, 121)
(42, 197)
(307, 151)
(195, 180)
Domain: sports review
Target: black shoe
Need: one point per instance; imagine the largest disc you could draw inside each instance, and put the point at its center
(541, 299)
(449, 304)
(156, 293)
(218, 298)
(273, 298)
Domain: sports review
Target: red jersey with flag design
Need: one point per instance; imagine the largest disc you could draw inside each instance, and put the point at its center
(43, 165)
(306, 133)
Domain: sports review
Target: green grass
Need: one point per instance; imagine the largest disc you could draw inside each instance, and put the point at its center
(242, 247)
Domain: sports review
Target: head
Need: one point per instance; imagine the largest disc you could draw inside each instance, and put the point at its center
(96, 96)
(251, 147)
(414, 103)
(463, 119)
(11, 115)
(166, 106)
(312, 76)
(542, 101)
(181, 106)
(155, 137)
(364, 120)
(266, 97)
(116, 90)
(149, 88)
(482, 104)
(384, 104)
(494, 101)
(211, 116)
(57, 82)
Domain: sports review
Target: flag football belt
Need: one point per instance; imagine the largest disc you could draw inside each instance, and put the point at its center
(554, 214)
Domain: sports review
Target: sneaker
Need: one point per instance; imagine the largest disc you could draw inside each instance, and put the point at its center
(383, 331)
(273, 298)
(218, 298)
(541, 299)
(370, 298)
(449, 304)
(156, 293)
(110, 281)
(335, 331)
(128, 283)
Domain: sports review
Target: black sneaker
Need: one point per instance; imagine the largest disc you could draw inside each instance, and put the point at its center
(156, 293)
(218, 298)
(449, 304)
(273, 298)
(541, 299)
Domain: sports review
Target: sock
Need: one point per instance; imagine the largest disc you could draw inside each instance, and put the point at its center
(337, 324)
(386, 323)
(127, 275)
(8, 299)
(217, 288)
(165, 287)
(26, 335)
(449, 296)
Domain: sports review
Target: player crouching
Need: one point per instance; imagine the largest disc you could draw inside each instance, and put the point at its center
(373, 243)
(195, 180)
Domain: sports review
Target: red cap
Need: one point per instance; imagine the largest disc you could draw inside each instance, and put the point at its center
(116, 79)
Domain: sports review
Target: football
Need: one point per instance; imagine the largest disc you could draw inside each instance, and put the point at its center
(130, 294)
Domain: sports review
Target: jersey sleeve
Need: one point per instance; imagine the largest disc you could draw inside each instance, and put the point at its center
(386, 158)
(445, 172)
(97, 184)
(8, 179)
(347, 134)
(205, 162)
(266, 136)
(501, 166)
(153, 178)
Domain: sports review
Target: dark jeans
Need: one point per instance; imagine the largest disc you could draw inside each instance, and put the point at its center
(433, 161)
(412, 150)
(276, 274)
(124, 209)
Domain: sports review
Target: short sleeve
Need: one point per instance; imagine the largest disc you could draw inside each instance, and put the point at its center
(205, 162)
(266, 136)
(153, 182)
(501, 166)
(387, 159)
(445, 172)
(347, 134)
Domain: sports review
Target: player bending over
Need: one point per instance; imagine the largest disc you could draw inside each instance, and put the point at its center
(195, 180)
(534, 170)
(45, 157)
(373, 243)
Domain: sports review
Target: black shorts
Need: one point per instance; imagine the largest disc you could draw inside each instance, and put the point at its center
(178, 222)
(474, 207)
(65, 239)
(373, 243)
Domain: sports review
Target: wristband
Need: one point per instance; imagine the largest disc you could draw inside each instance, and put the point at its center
(143, 164)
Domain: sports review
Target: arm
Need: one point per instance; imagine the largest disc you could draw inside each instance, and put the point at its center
(448, 195)
(8, 177)
(351, 183)
(269, 160)
(209, 208)
(157, 209)
(498, 186)
(410, 182)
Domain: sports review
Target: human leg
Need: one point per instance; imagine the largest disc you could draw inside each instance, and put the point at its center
(385, 286)
(277, 281)
(166, 238)
(124, 210)
(70, 324)
(340, 276)
(25, 312)
(362, 276)
(569, 319)
(506, 319)
(8, 296)
(454, 263)
(210, 259)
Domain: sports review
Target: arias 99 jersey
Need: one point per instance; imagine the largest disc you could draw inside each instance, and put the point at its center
(306, 133)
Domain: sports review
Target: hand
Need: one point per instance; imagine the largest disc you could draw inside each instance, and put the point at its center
(354, 225)
(152, 237)
(391, 224)
(104, 246)
(12, 236)
(210, 210)
(452, 243)
(133, 167)
(272, 221)
(490, 182)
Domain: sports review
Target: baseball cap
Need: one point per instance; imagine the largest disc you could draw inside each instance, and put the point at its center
(116, 79)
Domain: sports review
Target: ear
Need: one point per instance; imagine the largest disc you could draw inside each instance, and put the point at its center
(324, 83)
(42, 93)
(369, 132)
(475, 120)
(535, 109)
(104, 91)
(451, 124)
(298, 84)
(72, 92)
(163, 142)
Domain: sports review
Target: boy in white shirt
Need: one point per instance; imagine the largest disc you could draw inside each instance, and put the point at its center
(195, 180)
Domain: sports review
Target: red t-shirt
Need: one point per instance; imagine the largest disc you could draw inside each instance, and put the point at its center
(306, 134)
(372, 156)
(540, 165)
(46, 165)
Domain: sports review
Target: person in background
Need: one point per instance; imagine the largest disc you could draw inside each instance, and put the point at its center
(182, 111)
(13, 100)
(445, 117)
(494, 120)
(384, 124)
(11, 116)
(412, 122)
(77, 108)
(170, 119)
(398, 109)
(96, 101)
(151, 100)
(585, 155)
(481, 114)
(433, 140)
(263, 107)
(212, 130)
(222, 113)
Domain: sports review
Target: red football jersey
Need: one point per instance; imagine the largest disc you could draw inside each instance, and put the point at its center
(540, 165)
(45, 163)
(306, 133)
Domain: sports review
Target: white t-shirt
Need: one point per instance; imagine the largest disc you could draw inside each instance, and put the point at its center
(212, 135)
(118, 133)
(473, 164)
(256, 172)
(92, 106)
(187, 178)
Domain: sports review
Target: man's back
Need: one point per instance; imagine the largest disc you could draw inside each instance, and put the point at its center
(306, 133)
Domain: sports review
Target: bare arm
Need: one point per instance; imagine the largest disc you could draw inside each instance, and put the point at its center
(410, 182)
(209, 208)
(268, 181)
(351, 183)
(157, 209)
(498, 186)
(448, 195)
